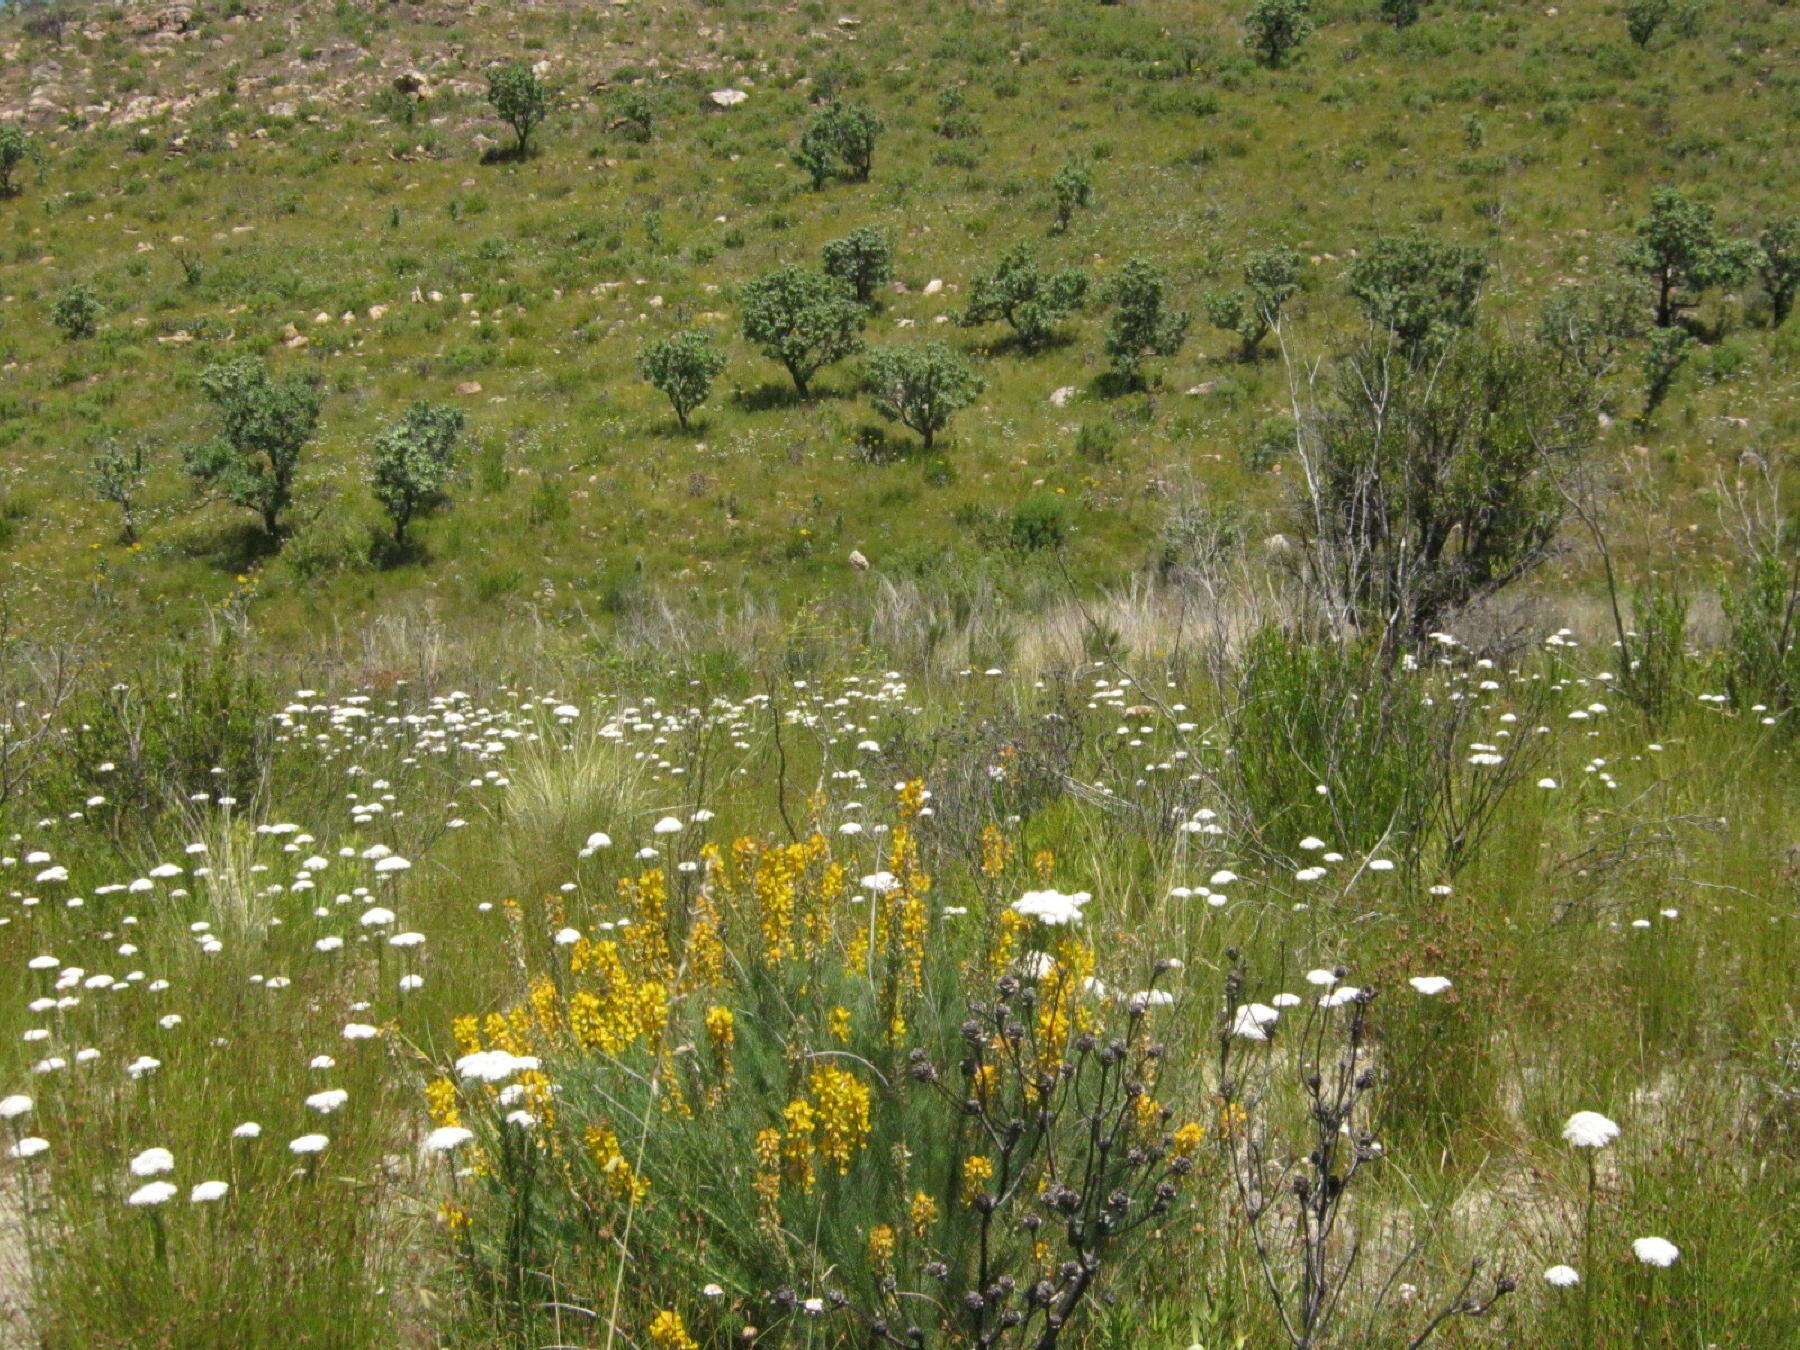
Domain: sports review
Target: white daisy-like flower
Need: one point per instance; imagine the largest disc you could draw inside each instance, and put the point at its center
(151, 1193)
(153, 1162)
(1052, 907)
(446, 1138)
(1589, 1129)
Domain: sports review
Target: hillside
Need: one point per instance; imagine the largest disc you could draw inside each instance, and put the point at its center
(326, 185)
(921, 675)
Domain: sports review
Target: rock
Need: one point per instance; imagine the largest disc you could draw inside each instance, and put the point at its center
(727, 98)
(1060, 397)
(469, 387)
(321, 317)
(412, 83)
(1200, 390)
(283, 109)
(857, 560)
(1277, 544)
(297, 341)
(933, 286)
(377, 312)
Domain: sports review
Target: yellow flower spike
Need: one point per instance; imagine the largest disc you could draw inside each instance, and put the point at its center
(837, 1023)
(467, 1031)
(454, 1217)
(668, 1332)
(1188, 1138)
(921, 1214)
(841, 1109)
(996, 852)
(441, 1102)
(622, 1181)
(798, 1124)
(1043, 862)
(881, 1247)
(977, 1171)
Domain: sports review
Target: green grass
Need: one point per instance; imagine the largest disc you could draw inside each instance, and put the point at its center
(1559, 1001)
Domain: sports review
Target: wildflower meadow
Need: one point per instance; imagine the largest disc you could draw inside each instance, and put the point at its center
(1090, 1008)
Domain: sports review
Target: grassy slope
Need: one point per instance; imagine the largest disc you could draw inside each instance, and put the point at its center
(582, 494)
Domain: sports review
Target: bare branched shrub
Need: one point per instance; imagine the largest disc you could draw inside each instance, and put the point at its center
(1426, 487)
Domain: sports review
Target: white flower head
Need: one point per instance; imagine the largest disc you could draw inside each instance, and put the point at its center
(1052, 907)
(208, 1191)
(1655, 1251)
(153, 1162)
(1589, 1129)
(151, 1193)
(1429, 985)
(1562, 1276)
(446, 1138)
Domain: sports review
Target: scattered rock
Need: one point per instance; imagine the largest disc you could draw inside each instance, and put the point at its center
(469, 387)
(857, 560)
(1060, 398)
(933, 286)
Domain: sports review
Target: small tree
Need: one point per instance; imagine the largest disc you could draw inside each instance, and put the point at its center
(1664, 355)
(1418, 288)
(862, 260)
(1644, 17)
(803, 320)
(117, 474)
(1143, 323)
(266, 424)
(1427, 487)
(76, 312)
(413, 462)
(1680, 249)
(1073, 189)
(1402, 13)
(1779, 266)
(1270, 279)
(683, 367)
(839, 139)
(15, 149)
(1274, 28)
(520, 99)
(1031, 301)
(920, 387)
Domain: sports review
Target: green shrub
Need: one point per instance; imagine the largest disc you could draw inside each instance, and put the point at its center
(1040, 521)
(1032, 302)
(76, 312)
